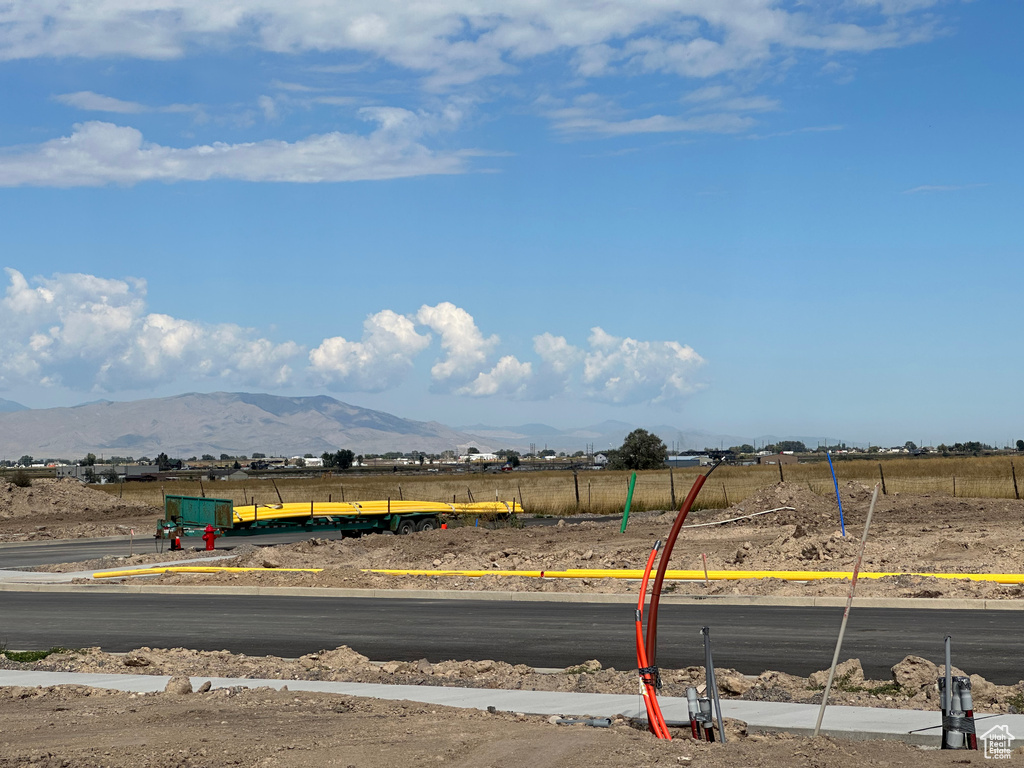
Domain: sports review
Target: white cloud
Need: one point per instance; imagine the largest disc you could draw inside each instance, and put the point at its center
(728, 99)
(570, 121)
(559, 360)
(712, 109)
(294, 87)
(97, 102)
(624, 370)
(508, 377)
(380, 361)
(456, 41)
(465, 345)
(941, 188)
(87, 332)
(268, 106)
(98, 153)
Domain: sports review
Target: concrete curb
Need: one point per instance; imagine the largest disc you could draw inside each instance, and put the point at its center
(860, 723)
(37, 542)
(948, 604)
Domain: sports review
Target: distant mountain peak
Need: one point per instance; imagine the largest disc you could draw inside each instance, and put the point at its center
(235, 423)
(9, 406)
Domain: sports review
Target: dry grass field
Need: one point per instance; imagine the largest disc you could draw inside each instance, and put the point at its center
(604, 491)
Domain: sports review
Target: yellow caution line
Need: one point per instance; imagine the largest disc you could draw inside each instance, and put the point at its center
(194, 569)
(627, 573)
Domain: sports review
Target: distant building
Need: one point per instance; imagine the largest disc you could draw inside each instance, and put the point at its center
(127, 472)
(479, 457)
(675, 462)
(779, 458)
(600, 459)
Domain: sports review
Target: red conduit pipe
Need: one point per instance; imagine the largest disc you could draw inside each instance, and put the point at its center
(655, 719)
(670, 542)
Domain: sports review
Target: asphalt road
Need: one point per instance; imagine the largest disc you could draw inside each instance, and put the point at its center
(751, 639)
(26, 555)
(77, 550)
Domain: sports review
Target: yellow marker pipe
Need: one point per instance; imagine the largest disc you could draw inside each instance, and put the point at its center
(589, 573)
(194, 569)
(679, 575)
(249, 513)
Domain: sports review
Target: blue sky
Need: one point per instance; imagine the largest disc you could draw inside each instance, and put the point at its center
(741, 216)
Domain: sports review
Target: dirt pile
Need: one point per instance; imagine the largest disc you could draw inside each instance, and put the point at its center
(55, 509)
(913, 683)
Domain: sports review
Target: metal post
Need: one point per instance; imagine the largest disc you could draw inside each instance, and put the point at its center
(946, 700)
(710, 682)
(947, 691)
(846, 613)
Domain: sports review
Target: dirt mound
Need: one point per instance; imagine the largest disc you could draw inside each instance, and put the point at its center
(65, 508)
(809, 510)
(913, 683)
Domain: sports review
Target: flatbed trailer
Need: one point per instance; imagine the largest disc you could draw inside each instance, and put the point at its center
(190, 515)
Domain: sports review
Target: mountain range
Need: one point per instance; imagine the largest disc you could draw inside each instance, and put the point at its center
(238, 423)
(220, 422)
(9, 406)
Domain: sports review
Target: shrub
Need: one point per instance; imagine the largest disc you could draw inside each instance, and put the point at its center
(22, 479)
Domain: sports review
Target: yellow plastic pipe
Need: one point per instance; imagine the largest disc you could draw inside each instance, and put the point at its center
(249, 513)
(589, 573)
(193, 569)
(678, 575)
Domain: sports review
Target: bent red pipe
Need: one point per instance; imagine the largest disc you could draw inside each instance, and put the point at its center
(670, 542)
(655, 719)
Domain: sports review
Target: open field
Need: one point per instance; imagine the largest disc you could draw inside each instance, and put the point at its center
(604, 491)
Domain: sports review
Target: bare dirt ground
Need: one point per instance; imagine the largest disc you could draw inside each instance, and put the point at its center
(75, 727)
(64, 509)
(909, 534)
(912, 684)
(70, 727)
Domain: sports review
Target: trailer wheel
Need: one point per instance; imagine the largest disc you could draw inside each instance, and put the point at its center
(428, 524)
(405, 527)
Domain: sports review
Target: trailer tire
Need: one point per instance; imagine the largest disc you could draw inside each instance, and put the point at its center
(405, 527)
(428, 524)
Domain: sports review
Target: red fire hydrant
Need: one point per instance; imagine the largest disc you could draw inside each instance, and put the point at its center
(210, 536)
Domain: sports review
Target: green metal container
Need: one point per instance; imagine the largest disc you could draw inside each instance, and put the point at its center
(197, 512)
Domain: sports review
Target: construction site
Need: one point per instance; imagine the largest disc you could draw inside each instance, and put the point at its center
(790, 628)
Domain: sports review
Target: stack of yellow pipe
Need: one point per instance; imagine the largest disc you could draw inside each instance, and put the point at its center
(249, 513)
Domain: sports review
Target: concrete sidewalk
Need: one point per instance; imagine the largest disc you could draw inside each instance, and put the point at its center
(46, 577)
(842, 722)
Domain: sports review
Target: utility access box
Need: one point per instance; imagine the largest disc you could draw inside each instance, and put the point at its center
(198, 512)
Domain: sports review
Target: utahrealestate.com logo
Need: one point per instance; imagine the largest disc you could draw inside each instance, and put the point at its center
(998, 743)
